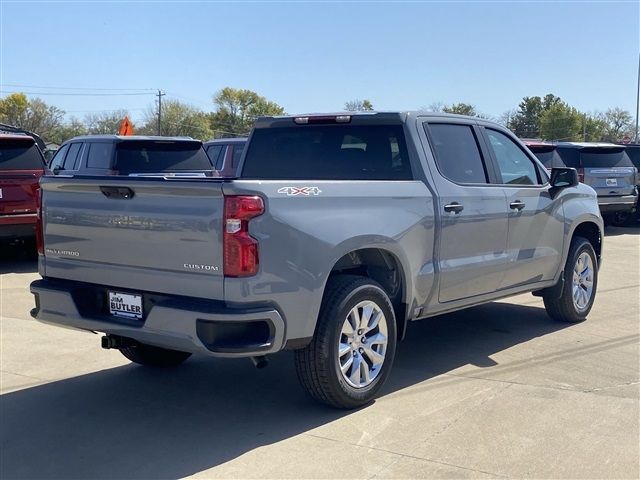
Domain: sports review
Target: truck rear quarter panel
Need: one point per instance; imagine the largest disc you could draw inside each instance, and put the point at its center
(302, 236)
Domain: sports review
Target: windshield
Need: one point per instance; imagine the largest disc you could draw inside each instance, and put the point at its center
(153, 156)
(20, 155)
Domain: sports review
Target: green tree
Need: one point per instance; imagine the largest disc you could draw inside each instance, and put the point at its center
(618, 123)
(594, 127)
(461, 109)
(236, 110)
(105, 122)
(70, 129)
(34, 114)
(561, 122)
(13, 109)
(358, 106)
(525, 123)
(178, 120)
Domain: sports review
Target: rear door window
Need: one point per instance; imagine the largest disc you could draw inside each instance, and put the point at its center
(20, 155)
(159, 156)
(328, 152)
(99, 155)
(457, 153)
(514, 166)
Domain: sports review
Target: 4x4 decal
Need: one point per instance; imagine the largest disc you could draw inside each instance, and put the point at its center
(297, 191)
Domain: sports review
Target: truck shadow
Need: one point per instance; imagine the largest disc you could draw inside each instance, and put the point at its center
(610, 231)
(132, 422)
(18, 258)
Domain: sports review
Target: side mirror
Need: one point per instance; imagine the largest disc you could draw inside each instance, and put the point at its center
(563, 178)
(57, 169)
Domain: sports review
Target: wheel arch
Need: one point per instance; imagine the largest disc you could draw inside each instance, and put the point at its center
(592, 232)
(385, 267)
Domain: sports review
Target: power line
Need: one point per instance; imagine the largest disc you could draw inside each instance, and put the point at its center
(79, 94)
(77, 88)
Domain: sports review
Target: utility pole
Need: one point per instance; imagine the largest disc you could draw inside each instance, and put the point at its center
(584, 127)
(160, 94)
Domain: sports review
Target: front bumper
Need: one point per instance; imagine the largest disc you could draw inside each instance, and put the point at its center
(624, 203)
(177, 323)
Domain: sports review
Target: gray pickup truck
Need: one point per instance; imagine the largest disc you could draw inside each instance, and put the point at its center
(338, 231)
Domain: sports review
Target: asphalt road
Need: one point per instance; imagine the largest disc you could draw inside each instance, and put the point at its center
(495, 391)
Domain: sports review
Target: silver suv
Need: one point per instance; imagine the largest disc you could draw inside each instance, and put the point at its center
(607, 169)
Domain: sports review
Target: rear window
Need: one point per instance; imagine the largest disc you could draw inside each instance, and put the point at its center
(19, 155)
(634, 156)
(152, 157)
(595, 157)
(328, 152)
(548, 156)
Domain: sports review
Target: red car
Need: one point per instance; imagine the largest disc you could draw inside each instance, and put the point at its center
(21, 166)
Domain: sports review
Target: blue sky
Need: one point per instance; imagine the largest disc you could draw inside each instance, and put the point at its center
(313, 56)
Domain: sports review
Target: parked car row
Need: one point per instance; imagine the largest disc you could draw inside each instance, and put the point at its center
(334, 233)
(610, 169)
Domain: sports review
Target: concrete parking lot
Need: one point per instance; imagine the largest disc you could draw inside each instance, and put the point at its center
(495, 391)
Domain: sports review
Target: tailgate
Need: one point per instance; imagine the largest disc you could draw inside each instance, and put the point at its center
(611, 181)
(18, 191)
(141, 234)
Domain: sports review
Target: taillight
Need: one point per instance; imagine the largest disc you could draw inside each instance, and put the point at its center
(240, 248)
(39, 224)
(581, 175)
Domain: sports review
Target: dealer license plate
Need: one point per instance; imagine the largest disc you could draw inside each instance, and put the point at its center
(125, 305)
(612, 182)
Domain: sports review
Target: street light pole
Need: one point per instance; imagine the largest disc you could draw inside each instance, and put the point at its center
(637, 99)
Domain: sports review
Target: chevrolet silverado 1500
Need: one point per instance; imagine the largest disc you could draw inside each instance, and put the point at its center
(338, 231)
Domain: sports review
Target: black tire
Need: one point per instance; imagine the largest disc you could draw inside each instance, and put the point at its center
(620, 219)
(317, 365)
(560, 305)
(151, 356)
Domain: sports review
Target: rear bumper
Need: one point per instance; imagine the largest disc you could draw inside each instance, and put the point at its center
(17, 226)
(624, 203)
(177, 323)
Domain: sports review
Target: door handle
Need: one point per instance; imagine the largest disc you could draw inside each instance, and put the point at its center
(117, 192)
(453, 207)
(517, 205)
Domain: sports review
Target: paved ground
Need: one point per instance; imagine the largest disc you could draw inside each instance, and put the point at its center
(496, 391)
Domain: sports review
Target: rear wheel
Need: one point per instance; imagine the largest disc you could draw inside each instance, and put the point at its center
(151, 356)
(580, 281)
(351, 353)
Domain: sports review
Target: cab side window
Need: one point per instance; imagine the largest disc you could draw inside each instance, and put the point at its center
(58, 159)
(515, 167)
(457, 153)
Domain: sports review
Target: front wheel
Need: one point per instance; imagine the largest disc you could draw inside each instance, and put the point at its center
(351, 353)
(580, 281)
(151, 356)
